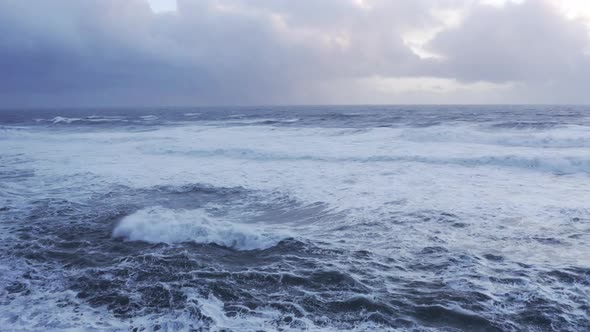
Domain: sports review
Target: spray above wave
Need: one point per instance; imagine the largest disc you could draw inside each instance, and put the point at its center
(161, 225)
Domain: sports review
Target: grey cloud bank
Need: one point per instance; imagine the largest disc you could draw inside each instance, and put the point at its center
(95, 53)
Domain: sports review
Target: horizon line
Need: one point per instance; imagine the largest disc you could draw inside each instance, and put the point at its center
(163, 107)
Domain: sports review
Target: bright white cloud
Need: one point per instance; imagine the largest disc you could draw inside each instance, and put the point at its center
(160, 6)
(500, 3)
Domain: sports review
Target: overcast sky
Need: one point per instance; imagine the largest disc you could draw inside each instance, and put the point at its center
(244, 52)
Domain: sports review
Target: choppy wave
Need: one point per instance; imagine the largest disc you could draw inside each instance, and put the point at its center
(91, 119)
(263, 121)
(157, 225)
(291, 219)
(59, 119)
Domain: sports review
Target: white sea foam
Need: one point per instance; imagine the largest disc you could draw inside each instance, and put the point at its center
(360, 172)
(90, 118)
(61, 119)
(558, 165)
(262, 121)
(504, 189)
(560, 137)
(291, 120)
(98, 118)
(157, 224)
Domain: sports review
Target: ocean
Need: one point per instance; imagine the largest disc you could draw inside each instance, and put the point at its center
(327, 218)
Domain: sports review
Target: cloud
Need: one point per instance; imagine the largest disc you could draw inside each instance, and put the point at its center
(531, 43)
(527, 42)
(110, 52)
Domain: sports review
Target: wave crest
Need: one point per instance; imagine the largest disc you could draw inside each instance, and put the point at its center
(161, 225)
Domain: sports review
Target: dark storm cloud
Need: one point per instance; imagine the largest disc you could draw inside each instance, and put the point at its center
(69, 46)
(69, 52)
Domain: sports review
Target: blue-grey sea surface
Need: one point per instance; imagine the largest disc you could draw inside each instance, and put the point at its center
(340, 218)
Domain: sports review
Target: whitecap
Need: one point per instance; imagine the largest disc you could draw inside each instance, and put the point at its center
(161, 225)
(61, 119)
(149, 117)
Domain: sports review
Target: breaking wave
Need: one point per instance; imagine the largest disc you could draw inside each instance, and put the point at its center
(161, 225)
(60, 119)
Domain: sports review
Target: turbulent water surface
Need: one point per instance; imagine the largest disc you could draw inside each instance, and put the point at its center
(296, 218)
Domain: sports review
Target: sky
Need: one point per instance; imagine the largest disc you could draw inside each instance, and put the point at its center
(74, 53)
